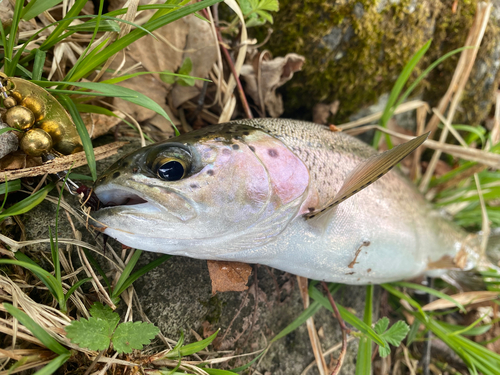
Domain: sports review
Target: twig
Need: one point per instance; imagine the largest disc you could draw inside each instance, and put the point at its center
(94, 362)
(313, 334)
(343, 328)
(243, 98)
(457, 85)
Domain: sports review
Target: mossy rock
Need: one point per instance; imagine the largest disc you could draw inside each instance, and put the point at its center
(355, 51)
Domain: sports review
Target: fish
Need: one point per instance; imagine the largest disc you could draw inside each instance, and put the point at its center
(288, 194)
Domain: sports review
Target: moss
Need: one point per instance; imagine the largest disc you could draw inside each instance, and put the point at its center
(373, 46)
(214, 306)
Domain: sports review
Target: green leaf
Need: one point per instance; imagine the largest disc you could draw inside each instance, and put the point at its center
(93, 334)
(381, 325)
(186, 67)
(168, 78)
(82, 132)
(36, 7)
(36, 330)
(133, 335)
(28, 203)
(396, 333)
(384, 351)
(271, 5)
(99, 311)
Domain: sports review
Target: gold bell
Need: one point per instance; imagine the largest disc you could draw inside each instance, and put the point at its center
(36, 142)
(20, 117)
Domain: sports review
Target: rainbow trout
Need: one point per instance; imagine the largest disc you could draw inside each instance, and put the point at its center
(288, 194)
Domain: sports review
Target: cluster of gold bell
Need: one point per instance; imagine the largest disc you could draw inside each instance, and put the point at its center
(43, 123)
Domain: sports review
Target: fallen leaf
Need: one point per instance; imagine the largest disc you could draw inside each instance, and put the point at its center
(228, 276)
(273, 74)
(465, 298)
(201, 47)
(18, 160)
(62, 163)
(98, 124)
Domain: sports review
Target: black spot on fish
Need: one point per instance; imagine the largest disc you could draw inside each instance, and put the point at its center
(116, 174)
(380, 175)
(226, 151)
(235, 147)
(366, 243)
(350, 273)
(237, 137)
(194, 186)
(272, 153)
(311, 209)
(252, 148)
(135, 170)
(210, 172)
(312, 216)
(246, 133)
(197, 137)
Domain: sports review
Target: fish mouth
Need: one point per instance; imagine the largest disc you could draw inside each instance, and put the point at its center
(115, 198)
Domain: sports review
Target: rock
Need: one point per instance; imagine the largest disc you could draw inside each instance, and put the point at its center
(178, 296)
(356, 49)
(9, 142)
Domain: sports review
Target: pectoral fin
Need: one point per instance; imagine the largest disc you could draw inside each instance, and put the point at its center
(368, 172)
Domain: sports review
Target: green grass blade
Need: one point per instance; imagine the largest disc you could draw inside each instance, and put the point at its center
(75, 287)
(364, 357)
(431, 291)
(54, 365)
(48, 279)
(10, 63)
(348, 317)
(129, 280)
(36, 7)
(28, 203)
(125, 274)
(397, 88)
(10, 186)
(213, 371)
(157, 21)
(38, 64)
(192, 348)
(119, 79)
(89, 26)
(36, 330)
(82, 131)
(74, 11)
(403, 296)
(127, 94)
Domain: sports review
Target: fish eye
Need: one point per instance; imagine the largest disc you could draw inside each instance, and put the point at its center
(171, 169)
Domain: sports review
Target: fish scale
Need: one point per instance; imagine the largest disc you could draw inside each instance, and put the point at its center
(258, 185)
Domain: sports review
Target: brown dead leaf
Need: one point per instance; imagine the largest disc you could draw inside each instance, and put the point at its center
(98, 124)
(201, 47)
(273, 74)
(62, 163)
(465, 298)
(228, 276)
(18, 160)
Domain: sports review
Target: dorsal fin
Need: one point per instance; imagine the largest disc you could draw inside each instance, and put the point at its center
(367, 173)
